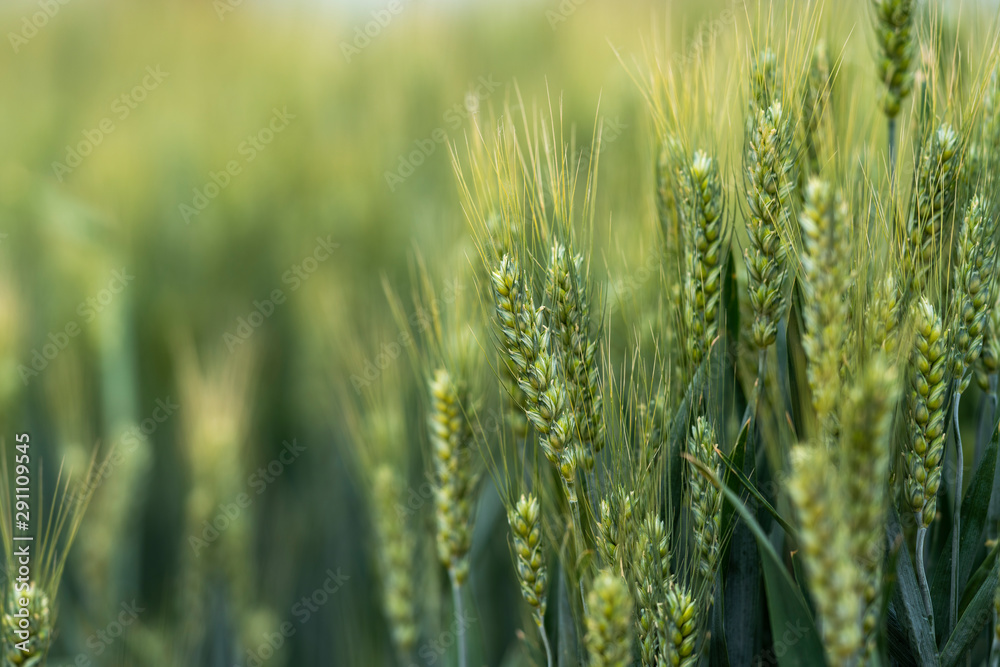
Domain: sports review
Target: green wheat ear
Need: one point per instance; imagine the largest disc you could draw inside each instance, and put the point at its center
(769, 187)
(883, 330)
(568, 294)
(30, 651)
(679, 629)
(451, 442)
(652, 574)
(615, 529)
(865, 428)
(895, 33)
(609, 620)
(825, 545)
(525, 343)
(932, 200)
(974, 278)
(396, 550)
(825, 234)
(526, 529)
(706, 252)
(705, 501)
(927, 395)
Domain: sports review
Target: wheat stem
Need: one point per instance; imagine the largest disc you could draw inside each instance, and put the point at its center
(574, 506)
(956, 533)
(925, 589)
(548, 647)
(456, 596)
(892, 152)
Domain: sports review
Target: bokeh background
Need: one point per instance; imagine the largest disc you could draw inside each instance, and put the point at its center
(166, 166)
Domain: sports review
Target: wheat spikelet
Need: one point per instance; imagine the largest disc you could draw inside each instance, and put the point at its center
(895, 33)
(525, 527)
(608, 638)
(705, 253)
(865, 427)
(679, 629)
(825, 229)
(825, 546)
(19, 651)
(927, 395)
(769, 185)
(571, 326)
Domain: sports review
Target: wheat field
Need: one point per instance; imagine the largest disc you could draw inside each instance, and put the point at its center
(551, 333)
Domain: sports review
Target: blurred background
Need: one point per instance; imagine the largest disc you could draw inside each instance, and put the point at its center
(198, 198)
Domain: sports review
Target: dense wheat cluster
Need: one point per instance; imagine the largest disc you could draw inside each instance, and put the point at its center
(756, 453)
